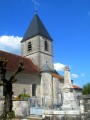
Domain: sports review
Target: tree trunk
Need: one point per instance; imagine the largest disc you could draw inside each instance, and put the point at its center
(8, 99)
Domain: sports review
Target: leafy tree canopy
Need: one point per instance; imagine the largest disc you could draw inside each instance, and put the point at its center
(86, 89)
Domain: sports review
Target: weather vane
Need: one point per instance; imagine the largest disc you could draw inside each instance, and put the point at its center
(36, 5)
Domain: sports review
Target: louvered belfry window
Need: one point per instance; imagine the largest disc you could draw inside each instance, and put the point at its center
(29, 46)
(46, 46)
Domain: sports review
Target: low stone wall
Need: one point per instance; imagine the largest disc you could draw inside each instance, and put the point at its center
(21, 108)
(60, 112)
(57, 117)
(86, 100)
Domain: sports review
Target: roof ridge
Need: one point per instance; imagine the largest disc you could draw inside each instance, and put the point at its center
(9, 52)
(12, 54)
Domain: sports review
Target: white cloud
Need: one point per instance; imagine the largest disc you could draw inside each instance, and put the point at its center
(59, 66)
(10, 43)
(74, 75)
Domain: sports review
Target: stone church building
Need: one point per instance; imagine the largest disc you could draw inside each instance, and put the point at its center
(39, 79)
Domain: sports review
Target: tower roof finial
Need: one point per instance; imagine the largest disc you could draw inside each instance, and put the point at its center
(36, 5)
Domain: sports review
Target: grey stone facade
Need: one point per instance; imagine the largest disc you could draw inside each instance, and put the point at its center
(25, 81)
(38, 54)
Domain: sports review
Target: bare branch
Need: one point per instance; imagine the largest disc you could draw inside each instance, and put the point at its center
(2, 84)
(20, 68)
(14, 80)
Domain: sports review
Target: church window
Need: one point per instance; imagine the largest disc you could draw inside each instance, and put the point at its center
(61, 96)
(33, 89)
(29, 46)
(46, 46)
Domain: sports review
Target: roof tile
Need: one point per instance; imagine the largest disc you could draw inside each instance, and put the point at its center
(13, 62)
(77, 87)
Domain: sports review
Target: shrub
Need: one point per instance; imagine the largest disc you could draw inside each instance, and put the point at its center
(9, 117)
(86, 89)
(12, 114)
(23, 96)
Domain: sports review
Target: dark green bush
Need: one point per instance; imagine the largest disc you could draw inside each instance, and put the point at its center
(86, 89)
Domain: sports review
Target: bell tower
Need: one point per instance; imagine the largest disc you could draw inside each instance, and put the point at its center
(37, 44)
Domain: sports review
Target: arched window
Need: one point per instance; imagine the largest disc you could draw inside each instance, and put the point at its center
(29, 46)
(46, 46)
(34, 89)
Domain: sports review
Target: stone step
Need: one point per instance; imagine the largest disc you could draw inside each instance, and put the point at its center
(34, 118)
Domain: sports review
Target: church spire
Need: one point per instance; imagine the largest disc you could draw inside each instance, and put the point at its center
(36, 28)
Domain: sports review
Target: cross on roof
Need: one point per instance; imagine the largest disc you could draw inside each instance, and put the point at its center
(36, 5)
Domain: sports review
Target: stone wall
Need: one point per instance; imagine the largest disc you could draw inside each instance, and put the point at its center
(38, 54)
(86, 100)
(21, 108)
(56, 91)
(46, 88)
(25, 81)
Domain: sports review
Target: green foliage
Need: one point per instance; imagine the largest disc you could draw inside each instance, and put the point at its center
(24, 95)
(12, 114)
(86, 89)
(3, 117)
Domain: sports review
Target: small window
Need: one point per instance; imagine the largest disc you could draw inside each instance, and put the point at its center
(46, 46)
(29, 46)
(33, 89)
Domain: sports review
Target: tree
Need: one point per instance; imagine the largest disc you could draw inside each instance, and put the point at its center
(86, 89)
(7, 86)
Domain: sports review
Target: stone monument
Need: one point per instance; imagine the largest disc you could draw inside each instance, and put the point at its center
(69, 100)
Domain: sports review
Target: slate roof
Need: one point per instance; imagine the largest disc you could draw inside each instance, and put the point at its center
(13, 62)
(36, 28)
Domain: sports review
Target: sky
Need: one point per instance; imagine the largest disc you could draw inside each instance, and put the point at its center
(68, 23)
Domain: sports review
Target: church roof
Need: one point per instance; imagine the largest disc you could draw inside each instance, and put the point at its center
(36, 28)
(77, 87)
(57, 76)
(13, 62)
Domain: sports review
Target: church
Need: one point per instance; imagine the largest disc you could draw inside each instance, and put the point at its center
(39, 79)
